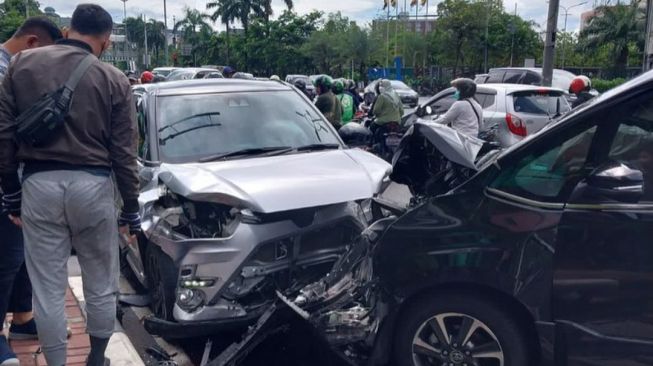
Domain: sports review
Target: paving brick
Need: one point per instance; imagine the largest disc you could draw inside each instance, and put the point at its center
(79, 341)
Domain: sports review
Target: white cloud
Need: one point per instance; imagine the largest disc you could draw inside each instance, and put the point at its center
(360, 10)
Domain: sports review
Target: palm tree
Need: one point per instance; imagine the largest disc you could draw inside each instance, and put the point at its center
(267, 8)
(156, 36)
(227, 11)
(619, 27)
(192, 26)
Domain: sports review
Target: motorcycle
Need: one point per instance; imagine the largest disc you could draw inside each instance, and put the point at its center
(385, 139)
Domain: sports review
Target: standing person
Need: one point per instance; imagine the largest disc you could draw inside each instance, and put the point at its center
(327, 102)
(346, 101)
(351, 90)
(465, 115)
(67, 189)
(15, 286)
(581, 86)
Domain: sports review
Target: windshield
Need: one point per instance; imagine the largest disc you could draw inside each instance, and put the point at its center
(163, 72)
(562, 79)
(192, 127)
(398, 84)
(181, 75)
(535, 102)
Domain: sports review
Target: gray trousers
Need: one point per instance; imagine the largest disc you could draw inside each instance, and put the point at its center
(63, 210)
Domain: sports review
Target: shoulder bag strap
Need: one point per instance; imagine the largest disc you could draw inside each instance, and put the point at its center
(476, 113)
(75, 77)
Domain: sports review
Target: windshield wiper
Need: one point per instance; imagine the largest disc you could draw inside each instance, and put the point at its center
(206, 114)
(268, 151)
(171, 136)
(315, 147)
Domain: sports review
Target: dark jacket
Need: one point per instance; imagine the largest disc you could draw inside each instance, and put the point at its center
(582, 98)
(330, 107)
(98, 135)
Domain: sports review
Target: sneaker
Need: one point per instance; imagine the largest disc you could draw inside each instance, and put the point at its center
(7, 357)
(26, 331)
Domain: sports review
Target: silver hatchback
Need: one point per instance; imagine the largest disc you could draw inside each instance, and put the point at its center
(510, 111)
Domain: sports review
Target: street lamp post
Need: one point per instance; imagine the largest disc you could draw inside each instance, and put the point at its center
(124, 26)
(566, 9)
(165, 32)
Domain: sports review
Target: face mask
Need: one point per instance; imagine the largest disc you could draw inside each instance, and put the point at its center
(456, 95)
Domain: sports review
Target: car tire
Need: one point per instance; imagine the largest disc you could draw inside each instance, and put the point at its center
(161, 282)
(494, 334)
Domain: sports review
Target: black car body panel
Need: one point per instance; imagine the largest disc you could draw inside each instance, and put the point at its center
(556, 229)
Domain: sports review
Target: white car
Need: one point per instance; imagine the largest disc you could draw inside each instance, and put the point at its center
(510, 111)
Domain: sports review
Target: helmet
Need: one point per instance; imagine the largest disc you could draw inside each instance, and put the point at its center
(275, 78)
(228, 70)
(384, 85)
(338, 87)
(355, 135)
(466, 87)
(300, 84)
(324, 82)
(579, 84)
(147, 77)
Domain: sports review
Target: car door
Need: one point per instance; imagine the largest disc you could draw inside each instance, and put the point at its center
(603, 279)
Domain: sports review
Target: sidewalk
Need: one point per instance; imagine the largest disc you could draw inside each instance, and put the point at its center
(120, 351)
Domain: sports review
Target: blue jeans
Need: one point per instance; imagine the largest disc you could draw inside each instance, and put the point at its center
(15, 286)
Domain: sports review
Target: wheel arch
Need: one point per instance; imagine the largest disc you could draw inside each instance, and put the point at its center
(510, 304)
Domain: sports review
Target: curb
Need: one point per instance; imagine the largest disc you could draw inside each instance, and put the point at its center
(120, 351)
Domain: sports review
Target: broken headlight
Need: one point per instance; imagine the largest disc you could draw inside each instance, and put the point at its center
(199, 220)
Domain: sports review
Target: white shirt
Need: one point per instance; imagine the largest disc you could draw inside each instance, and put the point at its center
(462, 117)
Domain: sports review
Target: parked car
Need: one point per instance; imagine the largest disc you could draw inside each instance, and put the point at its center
(243, 75)
(163, 71)
(309, 83)
(543, 257)
(214, 75)
(510, 111)
(408, 96)
(529, 76)
(189, 73)
(246, 189)
(481, 78)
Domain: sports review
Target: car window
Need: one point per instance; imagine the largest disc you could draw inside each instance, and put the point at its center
(485, 100)
(633, 141)
(540, 102)
(141, 118)
(562, 79)
(195, 126)
(548, 171)
(531, 78)
(512, 76)
(495, 77)
(443, 104)
(399, 85)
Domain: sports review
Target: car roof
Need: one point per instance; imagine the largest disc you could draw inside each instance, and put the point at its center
(166, 68)
(534, 69)
(209, 86)
(511, 88)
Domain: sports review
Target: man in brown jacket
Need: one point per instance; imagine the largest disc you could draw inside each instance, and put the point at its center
(67, 190)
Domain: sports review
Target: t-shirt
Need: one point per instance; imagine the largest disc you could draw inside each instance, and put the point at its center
(5, 58)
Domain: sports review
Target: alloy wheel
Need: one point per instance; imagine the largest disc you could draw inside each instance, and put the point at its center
(454, 339)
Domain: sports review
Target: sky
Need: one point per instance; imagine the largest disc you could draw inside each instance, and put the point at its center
(360, 10)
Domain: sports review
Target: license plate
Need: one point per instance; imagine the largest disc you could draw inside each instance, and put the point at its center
(392, 141)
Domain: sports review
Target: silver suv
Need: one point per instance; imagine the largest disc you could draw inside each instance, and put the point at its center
(510, 111)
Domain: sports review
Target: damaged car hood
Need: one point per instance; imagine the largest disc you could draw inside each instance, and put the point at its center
(280, 183)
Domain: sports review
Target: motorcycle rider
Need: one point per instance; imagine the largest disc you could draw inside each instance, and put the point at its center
(350, 87)
(346, 100)
(275, 78)
(387, 106)
(301, 85)
(228, 72)
(465, 115)
(581, 86)
(327, 102)
(147, 77)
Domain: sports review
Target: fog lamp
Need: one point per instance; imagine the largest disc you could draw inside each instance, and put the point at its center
(189, 299)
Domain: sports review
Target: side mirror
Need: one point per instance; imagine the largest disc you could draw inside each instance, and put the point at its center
(615, 182)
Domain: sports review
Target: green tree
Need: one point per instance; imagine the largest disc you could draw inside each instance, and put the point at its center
(621, 27)
(12, 15)
(194, 27)
(227, 11)
(267, 8)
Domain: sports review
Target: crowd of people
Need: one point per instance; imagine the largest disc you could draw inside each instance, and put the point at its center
(63, 135)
